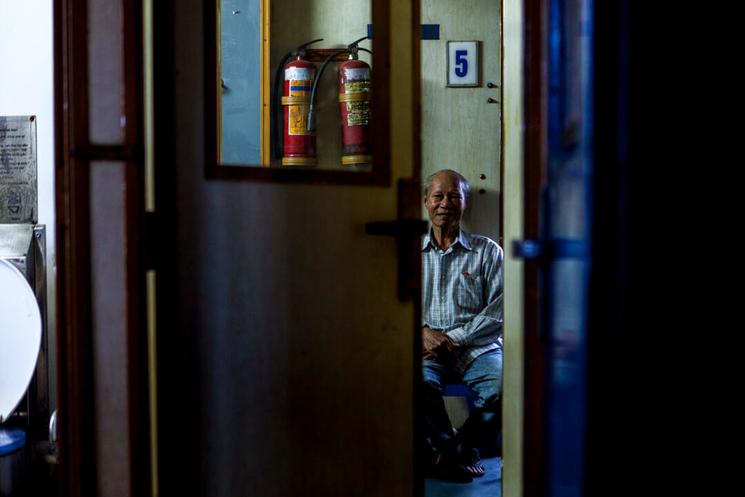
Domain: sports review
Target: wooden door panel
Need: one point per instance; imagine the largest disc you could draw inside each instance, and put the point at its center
(297, 356)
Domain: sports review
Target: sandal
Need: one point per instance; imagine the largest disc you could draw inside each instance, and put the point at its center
(469, 458)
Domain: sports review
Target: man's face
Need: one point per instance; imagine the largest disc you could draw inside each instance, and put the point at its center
(444, 201)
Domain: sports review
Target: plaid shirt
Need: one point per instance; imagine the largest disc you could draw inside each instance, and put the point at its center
(462, 294)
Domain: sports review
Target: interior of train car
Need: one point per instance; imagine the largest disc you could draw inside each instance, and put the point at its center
(239, 237)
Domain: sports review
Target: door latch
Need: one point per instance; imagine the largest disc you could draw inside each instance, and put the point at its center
(407, 233)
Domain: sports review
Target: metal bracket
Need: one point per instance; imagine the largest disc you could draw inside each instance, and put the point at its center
(559, 248)
(527, 249)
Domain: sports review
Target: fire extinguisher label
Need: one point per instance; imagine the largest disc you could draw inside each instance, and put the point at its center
(298, 120)
(357, 73)
(358, 113)
(357, 86)
(301, 83)
(298, 74)
(300, 88)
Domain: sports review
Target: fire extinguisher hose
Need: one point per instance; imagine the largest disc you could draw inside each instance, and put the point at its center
(311, 126)
(351, 48)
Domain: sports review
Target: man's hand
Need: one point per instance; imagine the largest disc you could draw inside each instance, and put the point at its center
(436, 345)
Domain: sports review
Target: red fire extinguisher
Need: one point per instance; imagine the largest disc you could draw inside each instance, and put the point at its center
(298, 145)
(355, 90)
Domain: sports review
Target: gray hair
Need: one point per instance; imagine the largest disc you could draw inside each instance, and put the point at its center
(465, 185)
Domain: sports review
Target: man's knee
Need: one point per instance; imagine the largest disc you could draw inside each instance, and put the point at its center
(488, 388)
(489, 393)
(484, 376)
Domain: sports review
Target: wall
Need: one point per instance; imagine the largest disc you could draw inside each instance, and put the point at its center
(460, 130)
(240, 58)
(26, 88)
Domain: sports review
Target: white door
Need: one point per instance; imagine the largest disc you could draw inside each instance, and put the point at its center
(461, 125)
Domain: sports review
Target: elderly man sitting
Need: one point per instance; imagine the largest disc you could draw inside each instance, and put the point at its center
(461, 330)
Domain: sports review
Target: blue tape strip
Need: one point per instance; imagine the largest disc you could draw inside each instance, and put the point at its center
(430, 31)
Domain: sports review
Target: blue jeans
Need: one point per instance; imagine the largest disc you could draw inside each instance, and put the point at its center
(481, 429)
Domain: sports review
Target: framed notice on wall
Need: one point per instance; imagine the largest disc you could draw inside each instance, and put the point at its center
(18, 181)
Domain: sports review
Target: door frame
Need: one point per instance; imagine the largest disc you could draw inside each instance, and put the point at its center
(524, 159)
(75, 156)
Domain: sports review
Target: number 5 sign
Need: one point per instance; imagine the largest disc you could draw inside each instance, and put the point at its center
(463, 63)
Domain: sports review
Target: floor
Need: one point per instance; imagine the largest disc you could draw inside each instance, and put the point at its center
(489, 485)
